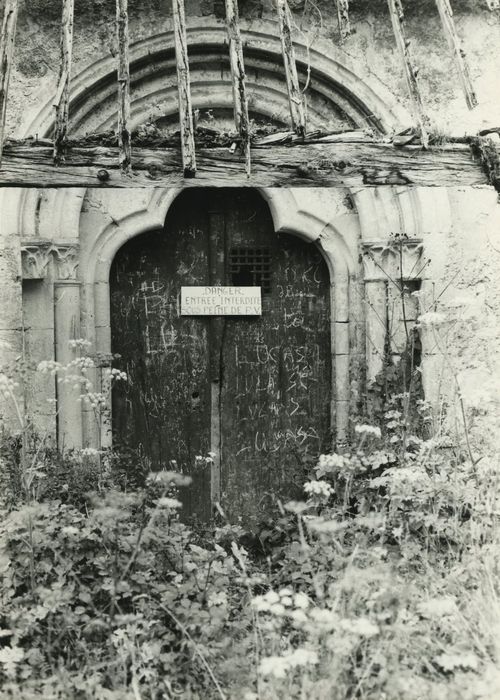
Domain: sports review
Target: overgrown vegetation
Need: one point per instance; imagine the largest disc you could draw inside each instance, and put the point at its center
(381, 583)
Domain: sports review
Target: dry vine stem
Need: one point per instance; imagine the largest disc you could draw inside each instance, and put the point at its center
(7, 40)
(397, 18)
(343, 17)
(183, 83)
(61, 102)
(124, 141)
(295, 97)
(241, 118)
(450, 31)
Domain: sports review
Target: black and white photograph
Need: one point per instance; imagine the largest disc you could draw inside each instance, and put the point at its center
(249, 349)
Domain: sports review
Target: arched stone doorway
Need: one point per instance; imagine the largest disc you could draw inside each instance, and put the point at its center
(255, 392)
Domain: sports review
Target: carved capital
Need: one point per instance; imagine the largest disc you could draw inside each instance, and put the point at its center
(397, 258)
(38, 256)
(66, 260)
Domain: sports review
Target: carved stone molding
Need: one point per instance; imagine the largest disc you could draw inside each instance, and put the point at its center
(397, 258)
(39, 256)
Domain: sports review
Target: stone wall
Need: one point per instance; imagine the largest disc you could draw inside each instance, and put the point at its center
(371, 46)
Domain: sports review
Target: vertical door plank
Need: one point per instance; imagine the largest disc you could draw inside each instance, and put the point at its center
(403, 44)
(164, 410)
(276, 388)
(240, 100)
(7, 42)
(124, 141)
(61, 103)
(455, 45)
(295, 96)
(217, 325)
(184, 87)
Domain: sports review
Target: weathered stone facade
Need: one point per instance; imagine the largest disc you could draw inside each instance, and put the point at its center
(59, 246)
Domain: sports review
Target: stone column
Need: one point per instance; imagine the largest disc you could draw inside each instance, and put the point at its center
(67, 328)
(38, 328)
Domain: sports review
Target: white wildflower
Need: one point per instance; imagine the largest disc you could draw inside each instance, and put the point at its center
(301, 601)
(49, 366)
(372, 430)
(269, 602)
(89, 452)
(166, 502)
(216, 599)
(328, 463)
(9, 658)
(360, 626)
(79, 343)
(324, 618)
(304, 657)
(297, 507)
(438, 607)
(450, 662)
(278, 666)
(327, 527)
(298, 616)
(116, 374)
(320, 489)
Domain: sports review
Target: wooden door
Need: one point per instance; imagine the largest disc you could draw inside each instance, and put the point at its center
(254, 391)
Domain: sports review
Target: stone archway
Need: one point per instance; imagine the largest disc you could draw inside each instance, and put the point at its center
(291, 215)
(341, 92)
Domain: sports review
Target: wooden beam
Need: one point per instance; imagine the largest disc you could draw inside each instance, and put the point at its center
(61, 103)
(295, 96)
(344, 21)
(316, 164)
(450, 31)
(124, 140)
(240, 99)
(7, 41)
(403, 44)
(184, 87)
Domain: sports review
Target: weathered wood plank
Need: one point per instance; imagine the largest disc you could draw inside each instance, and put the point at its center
(7, 41)
(455, 44)
(403, 44)
(184, 87)
(61, 103)
(295, 96)
(343, 17)
(240, 99)
(124, 140)
(307, 165)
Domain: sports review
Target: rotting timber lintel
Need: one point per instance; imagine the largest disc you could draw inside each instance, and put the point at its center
(307, 163)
